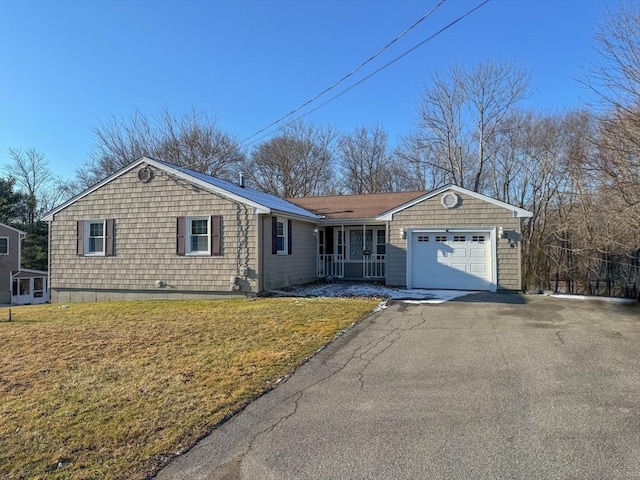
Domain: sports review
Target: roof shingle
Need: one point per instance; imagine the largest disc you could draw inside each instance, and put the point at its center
(369, 205)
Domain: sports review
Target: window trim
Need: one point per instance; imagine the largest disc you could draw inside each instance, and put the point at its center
(215, 232)
(83, 239)
(189, 235)
(287, 235)
(284, 236)
(7, 251)
(87, 238)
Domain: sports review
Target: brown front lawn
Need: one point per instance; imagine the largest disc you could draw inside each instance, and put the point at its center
(114, 390)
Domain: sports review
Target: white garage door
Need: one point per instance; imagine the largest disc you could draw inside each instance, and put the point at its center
(458, 260)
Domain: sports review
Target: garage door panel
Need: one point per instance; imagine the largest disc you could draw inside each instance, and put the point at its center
(454, 261)
(478, 268)
(462, 267)
(460, 253)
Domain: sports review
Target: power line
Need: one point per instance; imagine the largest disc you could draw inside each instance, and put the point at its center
(431, 37)
(352, 72)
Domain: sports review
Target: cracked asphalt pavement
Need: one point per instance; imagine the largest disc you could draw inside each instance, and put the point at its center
(486, 387)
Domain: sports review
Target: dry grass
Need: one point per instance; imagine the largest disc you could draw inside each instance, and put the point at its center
(112, 390)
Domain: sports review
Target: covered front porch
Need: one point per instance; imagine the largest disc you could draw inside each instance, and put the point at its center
(352, 251)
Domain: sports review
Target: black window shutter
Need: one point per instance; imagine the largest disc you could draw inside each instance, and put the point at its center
(216, 235)
(110, 238)
(80, 237)
(274, 235)
(289, 237)
(180, 231)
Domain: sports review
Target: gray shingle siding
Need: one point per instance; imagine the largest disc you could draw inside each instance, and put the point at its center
(297, 268)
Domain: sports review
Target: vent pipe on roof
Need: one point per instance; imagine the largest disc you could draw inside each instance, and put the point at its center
(241, 179)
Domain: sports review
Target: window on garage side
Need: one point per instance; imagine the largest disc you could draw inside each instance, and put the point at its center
(4, 245)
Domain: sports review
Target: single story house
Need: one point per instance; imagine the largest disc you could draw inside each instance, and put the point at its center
(19, 286)
(155, 230)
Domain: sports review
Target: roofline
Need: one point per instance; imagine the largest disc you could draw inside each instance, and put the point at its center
(343, 221)
(280, 213)
(517, 211)
(259, 208)
(14, 229)
(28, 270)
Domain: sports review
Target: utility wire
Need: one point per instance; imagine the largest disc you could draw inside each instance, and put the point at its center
(352, 72)
(431, 37)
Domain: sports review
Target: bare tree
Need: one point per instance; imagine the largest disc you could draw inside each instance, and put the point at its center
(616, 81)
(31, 172)
(367, 164)
(616, 77)
(460, 117)
(296, 163)
(415, 165)
(195, 141)
(192, 140)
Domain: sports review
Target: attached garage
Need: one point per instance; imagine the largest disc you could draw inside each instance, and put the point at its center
(453, 238)
(451, 259)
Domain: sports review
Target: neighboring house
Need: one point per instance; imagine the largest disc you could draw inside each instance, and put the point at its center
(18, 285)
(155, 230)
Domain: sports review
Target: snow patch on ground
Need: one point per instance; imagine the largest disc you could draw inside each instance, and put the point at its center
(587, 297)
(353, 289)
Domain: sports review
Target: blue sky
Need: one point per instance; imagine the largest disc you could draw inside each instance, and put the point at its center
(67, 65)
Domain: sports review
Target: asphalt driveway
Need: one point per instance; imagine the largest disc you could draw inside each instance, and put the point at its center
(484, 387)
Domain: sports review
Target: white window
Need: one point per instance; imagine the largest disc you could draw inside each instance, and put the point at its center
(94, 237)
(281, 237)
(198, 236)
(4, 245)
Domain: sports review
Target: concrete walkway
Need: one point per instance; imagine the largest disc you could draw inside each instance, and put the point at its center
(485, 387)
